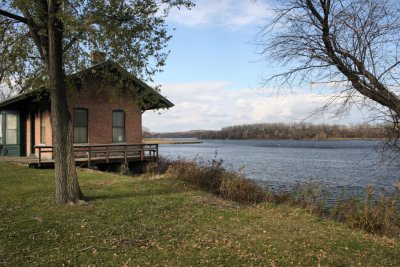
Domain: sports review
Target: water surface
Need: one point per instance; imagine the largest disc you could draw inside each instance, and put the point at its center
(342, 167)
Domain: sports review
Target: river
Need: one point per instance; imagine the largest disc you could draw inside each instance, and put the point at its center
(343, 168)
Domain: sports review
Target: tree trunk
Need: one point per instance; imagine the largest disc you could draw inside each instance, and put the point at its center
(67, 186)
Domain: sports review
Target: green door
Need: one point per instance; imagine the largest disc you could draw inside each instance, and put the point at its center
(11, 133)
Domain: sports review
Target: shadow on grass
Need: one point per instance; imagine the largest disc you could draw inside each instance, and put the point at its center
(134, 194)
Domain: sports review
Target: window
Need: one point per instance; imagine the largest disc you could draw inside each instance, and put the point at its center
(118, 123)
(42, 128)
(11, 129)
(80, 119)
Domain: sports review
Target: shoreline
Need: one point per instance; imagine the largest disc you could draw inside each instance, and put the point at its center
(177, 140)
(167, 141)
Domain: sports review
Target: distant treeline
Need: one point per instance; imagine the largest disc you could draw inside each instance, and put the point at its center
(283, 131)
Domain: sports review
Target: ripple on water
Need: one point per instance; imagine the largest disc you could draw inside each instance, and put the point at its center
(342, 167)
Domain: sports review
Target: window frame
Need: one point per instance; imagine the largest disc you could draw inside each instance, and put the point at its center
(42, 128)
(9, 130)
(118, 127)
(75, 126)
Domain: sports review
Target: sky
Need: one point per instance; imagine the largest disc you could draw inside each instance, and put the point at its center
(213, 73)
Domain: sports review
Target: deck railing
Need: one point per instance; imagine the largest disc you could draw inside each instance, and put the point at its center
(105, 153)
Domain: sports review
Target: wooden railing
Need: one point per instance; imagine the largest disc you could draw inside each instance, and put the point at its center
(104, 153)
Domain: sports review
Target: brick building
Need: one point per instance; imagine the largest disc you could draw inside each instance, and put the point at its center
(106, 104)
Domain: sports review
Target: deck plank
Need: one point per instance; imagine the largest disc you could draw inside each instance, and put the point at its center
(32, 162)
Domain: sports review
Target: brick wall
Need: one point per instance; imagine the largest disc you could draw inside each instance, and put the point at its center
(100, 100)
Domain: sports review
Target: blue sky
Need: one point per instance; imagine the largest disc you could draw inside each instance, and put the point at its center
(213, 72)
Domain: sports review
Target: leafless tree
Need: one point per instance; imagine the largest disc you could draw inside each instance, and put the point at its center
(350, 46)
(281, 131)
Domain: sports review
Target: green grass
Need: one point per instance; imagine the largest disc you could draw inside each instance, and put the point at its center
(137, 221)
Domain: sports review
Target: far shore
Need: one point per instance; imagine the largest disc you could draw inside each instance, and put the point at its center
(177, 140)
(166, 141)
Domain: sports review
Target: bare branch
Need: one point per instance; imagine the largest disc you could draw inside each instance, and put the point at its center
(13, 16)
(357, 41)
(72, 42)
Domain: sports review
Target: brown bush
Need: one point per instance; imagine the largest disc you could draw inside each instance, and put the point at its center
(241, 190)
(213, 178)
(379, 216)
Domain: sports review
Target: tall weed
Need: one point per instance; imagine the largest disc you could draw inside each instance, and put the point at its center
(379, 216)
(310, 196)
(374, 215)
(242, 190)
(213, 178)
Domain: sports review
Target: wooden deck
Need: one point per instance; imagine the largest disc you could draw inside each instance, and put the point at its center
(91, 155)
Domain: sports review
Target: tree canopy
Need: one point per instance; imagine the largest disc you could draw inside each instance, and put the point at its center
(132, 33)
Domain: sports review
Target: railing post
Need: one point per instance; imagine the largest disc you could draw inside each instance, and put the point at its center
(89, 157)
(107, 154)
(146, 151)
(126, 154)
(157, 159)
(40, 157)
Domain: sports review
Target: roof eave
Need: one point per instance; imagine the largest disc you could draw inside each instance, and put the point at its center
(163, 103)
(167, 106)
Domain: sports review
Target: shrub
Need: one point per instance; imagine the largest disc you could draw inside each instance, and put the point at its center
(163, 164)
(380, 216)
(213, 178)
(374, 215)
(279, 198)
(241, 190)
(309, 196)
(207, 175)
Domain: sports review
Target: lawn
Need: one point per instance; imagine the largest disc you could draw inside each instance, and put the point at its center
(137, 221)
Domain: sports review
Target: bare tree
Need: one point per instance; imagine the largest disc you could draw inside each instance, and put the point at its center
(352, 46)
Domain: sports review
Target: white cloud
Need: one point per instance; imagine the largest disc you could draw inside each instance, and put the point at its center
(230, 14)
(212, 105)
